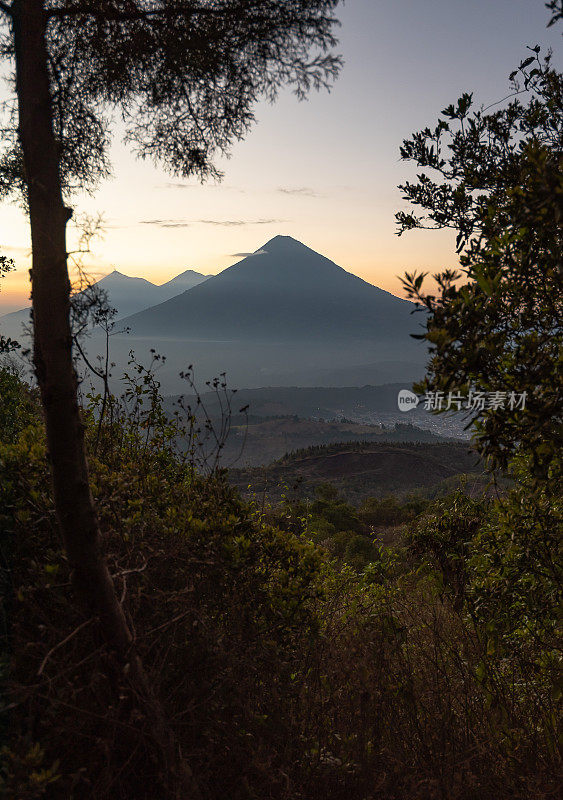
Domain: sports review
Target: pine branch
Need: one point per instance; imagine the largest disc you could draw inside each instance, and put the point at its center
(136, 14)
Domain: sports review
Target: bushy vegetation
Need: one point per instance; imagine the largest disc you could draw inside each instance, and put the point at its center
(495, 324)
(352, 534)
(288, 667)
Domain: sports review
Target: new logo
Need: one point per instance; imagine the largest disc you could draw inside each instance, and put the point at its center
(407, 400)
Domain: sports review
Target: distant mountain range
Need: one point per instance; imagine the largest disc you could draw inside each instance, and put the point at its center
(130, 295)
(127, 295)
(283, 316)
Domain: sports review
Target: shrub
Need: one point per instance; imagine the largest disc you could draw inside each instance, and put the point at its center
(285, 672)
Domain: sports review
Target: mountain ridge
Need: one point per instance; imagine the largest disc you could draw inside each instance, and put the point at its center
(284, 290)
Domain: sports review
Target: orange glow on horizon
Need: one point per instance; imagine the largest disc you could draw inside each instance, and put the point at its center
(385, 272)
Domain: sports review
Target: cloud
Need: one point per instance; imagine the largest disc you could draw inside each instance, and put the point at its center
(302, 191)
(226, 223)
(182, 185)
(176, 185)
(247, 255)
(231, 223)
(166, 223)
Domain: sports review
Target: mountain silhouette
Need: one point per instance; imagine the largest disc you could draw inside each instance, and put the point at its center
(130, 295)
(127, 295)
(181, 283)
(284, 292)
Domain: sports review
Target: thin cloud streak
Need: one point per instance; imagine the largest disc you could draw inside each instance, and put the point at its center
(231, 223)
(300, 191)
(227, 223)
(247, 255)
(181, 185)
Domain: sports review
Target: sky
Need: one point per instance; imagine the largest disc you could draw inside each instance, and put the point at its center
(324, 171)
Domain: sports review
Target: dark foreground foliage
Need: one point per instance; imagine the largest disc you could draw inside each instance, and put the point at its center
(286, 671)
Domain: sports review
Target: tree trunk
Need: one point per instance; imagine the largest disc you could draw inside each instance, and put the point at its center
(52, 334)
(53, 360)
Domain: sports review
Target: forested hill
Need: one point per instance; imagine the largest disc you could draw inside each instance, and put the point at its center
(362, 469)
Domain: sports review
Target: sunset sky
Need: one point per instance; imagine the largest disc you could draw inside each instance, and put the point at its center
(324, 171)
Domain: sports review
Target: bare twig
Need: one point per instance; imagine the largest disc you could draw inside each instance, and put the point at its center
(60, 644)
(168, 622)
(130, 571)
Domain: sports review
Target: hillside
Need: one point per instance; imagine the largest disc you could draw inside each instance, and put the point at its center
(361, 469)
(263, 440)
(282, 419)
(365, 404)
